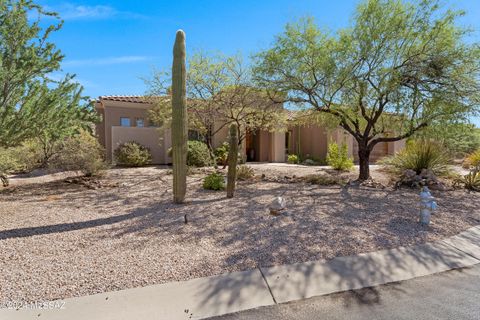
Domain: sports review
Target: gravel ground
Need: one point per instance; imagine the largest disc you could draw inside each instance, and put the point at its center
(60, 239)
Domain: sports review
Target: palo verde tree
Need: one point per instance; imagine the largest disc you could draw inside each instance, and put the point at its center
(31, 102)
(33, 105)
(398, 68)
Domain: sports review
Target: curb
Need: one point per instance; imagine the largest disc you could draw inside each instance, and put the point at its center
(232, 292)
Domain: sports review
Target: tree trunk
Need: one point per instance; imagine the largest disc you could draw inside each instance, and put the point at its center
(208, 140)
(232, 161)
(363, 161)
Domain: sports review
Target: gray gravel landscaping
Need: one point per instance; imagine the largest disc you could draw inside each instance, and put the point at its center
(61, 239)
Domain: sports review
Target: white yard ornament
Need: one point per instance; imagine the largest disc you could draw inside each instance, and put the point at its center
(278, 204)
(427, 206)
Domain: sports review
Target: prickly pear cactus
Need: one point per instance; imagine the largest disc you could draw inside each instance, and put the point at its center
(232, 161)
(179, 119)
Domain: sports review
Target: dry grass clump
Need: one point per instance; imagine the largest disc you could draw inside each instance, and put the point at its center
(324, 180)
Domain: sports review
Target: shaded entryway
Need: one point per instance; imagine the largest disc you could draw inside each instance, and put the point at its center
(264, 146)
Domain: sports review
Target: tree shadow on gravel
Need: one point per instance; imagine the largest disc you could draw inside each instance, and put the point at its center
(319, 223)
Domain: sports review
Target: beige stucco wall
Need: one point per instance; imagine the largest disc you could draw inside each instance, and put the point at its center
(221, 136)
(308, 140)
(148, 137)
(314, 142)
(277, 146)
(269, 146)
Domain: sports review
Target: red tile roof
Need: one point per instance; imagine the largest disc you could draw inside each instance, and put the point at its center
(133, 99)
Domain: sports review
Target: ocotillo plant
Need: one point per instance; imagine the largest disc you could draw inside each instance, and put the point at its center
(179, 119)
(232, 161)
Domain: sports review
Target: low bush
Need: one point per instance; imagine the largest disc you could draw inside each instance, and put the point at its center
(214, 181)
(337, 156)
(23, 158)
(9, 162)
(81, 152)
(198, 154)
(245, 172)
(323, 179)
(419, 155)
(221, 154)
(132, 154)
(293, 159)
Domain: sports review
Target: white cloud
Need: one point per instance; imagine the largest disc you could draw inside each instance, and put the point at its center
(105, 61)
(70, 11)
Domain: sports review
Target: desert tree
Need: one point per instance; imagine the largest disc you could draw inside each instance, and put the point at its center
(30, 99)
(33, 104)
(398, 68)
(220, 91)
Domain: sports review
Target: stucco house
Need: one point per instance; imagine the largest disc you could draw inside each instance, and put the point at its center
(125, 118)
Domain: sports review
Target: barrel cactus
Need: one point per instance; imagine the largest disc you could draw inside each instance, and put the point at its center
(232, 160)
(179, 119)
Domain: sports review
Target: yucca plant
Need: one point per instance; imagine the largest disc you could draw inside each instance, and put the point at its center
(419, 155)
(472, 180)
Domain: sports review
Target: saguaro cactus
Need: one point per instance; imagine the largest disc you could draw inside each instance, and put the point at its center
(232, 161)
(179, 118)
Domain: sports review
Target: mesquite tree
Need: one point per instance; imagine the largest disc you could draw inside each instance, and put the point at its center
(232, 160)
(398, 68)
(179, 119)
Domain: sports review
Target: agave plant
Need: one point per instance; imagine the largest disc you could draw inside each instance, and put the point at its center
(472, 180)
(419, 155)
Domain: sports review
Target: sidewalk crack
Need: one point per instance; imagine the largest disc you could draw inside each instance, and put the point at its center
(456, 248)
(268, 286)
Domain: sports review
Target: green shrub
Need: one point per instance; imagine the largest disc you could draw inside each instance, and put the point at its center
(419, 155)
(221, 154)
(9, 161)
(81, 152)
(23, 158)
(214, 181)
(473, 159)
(337, 156)
(245, 172)
(198, 154)
(132, 154)
(293, 159)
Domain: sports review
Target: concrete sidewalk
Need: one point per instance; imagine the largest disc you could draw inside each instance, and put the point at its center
(217, 295)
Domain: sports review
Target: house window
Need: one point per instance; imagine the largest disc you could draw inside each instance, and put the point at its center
(139, 122)
(125, 122)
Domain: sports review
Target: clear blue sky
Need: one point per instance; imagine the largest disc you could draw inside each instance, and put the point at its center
(110, 45)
